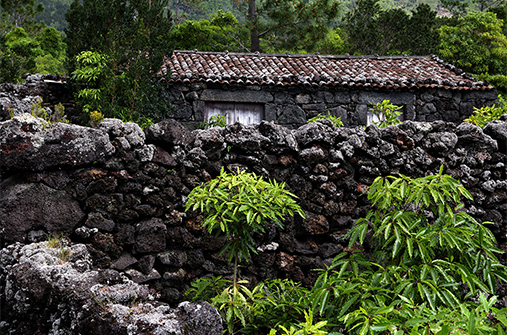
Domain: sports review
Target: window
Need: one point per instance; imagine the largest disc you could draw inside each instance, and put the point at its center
(245, 113)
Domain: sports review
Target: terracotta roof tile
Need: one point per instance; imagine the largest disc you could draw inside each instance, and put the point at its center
(318, 70)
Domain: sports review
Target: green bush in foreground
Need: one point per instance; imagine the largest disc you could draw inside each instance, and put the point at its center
(235, 206)
(429, 262)
(428, 268)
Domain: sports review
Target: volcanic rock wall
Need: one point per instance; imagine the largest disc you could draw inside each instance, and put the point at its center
(121, 191)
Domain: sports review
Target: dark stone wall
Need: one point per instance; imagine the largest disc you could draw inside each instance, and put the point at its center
(293, 105)
(290, 106)
(121, 191)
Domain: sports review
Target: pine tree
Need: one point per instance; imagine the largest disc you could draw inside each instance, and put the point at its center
(288, 24)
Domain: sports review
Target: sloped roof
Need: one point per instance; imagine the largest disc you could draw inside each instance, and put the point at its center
(318, 70)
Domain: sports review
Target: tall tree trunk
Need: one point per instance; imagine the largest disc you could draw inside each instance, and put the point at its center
(254, 34)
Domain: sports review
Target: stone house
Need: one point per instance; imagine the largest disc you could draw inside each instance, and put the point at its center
(290, 89)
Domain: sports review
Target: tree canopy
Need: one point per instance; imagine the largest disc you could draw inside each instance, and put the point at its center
(132, 37)
(476, 44)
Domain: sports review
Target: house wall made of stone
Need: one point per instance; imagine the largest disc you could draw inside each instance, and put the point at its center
(293, 106)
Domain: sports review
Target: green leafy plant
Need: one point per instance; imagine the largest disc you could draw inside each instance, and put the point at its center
(337, 121)
(429, 260)
(304, 328)
(216, 120)
(238, 204)
(266, 306)
(38, 111)
(91, 70)
(386, 113)
(235, 206)
(484, 115)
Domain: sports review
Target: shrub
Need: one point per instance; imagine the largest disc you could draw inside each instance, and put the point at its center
(427, 267)
(216, 120)
(96, 118)
(57, 116)
(236, 205)
(429, 261)
(482, 116)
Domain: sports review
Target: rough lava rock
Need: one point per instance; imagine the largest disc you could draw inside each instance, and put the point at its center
(31, 206)
(27, 143)
(55, 291)
(170, 133)
(498, 130)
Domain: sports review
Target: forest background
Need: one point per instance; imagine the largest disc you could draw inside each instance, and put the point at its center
(102, 45)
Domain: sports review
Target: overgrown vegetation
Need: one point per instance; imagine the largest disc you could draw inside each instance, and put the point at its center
(427, 268)
(429, 262)
(115, 51)
(51, 117)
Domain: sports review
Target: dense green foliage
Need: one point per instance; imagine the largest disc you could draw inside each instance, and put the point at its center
(425, 267)
(54, 13)
(426, 252)
(289, 25)
(130, 37)
(19, 13)
(373, 30)
(223, 32)
(476, 44)
(20, 53)
(25, 45)
(236, 206)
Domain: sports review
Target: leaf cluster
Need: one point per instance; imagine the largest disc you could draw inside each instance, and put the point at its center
(222, 32)
(273, 304)
(216, 120)
(238, 204)
(476, 43)
(482, 116)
